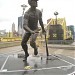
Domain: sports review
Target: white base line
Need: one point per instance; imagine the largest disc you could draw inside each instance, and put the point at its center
(34, 69)
(73, 73)
(65, 61)
(4, 63)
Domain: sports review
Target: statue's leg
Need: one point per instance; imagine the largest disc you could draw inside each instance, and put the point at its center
(24, 43)
(33, 43)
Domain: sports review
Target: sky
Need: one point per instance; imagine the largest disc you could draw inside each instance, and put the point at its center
(10, 10)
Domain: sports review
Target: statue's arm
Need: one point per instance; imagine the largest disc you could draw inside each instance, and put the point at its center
(41, 21)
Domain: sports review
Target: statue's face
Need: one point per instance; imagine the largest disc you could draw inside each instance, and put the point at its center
(33, 3)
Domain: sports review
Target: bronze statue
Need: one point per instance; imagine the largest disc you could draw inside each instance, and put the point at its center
(30, 25)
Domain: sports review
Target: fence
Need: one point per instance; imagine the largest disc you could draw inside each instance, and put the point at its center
(10, 39)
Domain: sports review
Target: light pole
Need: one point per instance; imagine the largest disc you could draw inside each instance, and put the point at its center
(56, 13)
(23, 6)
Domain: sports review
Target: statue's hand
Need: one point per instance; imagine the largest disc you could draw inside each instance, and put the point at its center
(32, 32)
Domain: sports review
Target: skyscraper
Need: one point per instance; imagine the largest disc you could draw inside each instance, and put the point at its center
(13, 28)
(20, 25)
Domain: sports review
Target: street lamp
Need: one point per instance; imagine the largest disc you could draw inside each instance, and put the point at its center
(56, 13)
(23, 6)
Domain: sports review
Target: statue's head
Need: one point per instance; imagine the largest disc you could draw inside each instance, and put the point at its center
(32, 3)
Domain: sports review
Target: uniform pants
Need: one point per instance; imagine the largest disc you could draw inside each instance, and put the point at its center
(32, 41)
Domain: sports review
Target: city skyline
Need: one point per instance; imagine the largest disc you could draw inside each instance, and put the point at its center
(11, 10)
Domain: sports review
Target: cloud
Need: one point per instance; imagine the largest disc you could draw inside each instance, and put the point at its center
(4, 19)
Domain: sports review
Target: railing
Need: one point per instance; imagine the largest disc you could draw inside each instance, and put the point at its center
(60, 41)
(8, 39)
